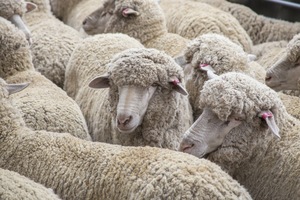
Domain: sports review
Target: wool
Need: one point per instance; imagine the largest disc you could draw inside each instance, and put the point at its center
(78, 169)
(13, 186)
(202, 18)
(53, 42)
(260, 28)
(148, 26)
(44, 105)
(264, 165)
(10, 7)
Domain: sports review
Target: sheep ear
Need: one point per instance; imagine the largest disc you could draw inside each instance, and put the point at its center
(13, 88)
(269, 118)
(100, 82)
(129, 12)
(177, 86)
(209, 70)
(30, 7)
(251, 57)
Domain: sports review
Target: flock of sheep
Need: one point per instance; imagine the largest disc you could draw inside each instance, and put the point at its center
(147, 99)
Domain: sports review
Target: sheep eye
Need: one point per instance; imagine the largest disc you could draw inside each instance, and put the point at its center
(155, 85)
(226, 122)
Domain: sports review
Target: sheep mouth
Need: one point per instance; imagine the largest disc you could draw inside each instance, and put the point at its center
(127, 130)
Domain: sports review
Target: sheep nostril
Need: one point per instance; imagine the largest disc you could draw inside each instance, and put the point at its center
(124, 120)
(185, 147)
(268, 78)
(84, 22)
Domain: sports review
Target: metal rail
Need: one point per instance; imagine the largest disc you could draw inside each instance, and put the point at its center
(286, 3)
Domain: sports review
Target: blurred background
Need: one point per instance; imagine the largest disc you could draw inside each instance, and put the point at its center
(288, 10)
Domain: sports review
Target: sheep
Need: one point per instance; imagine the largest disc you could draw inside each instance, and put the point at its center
(221, 55)
(284, 74)
(163, 115)
(44, 105)
(13, 186)
(141, 19)
(260, 28)
(53, 42)
(78, 169)
(236, 130)
(13, 10)
(202, 18)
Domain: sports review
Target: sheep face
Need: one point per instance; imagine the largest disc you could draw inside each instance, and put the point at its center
(207, 133)
(13, 10)
(96, 21)
(284, 74)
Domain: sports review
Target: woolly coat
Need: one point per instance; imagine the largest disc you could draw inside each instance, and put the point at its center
(13, 186)
(78, 169)
(260, 28)
(201, 19)
(223, 56)
(149, 27)
(53, 42)
(10, 7)
(44, 105)
(266, 166)
(168, 114)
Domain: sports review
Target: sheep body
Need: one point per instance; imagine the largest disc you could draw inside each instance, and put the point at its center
(260, 28)
(53, 42)
(44, 105)
(209, 20)
(147, 24)
(78, 169)
(175, 114)
(14, 186)
(266, 166)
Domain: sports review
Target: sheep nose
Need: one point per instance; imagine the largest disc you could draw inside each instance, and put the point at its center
(268, 78)
(185, 146)
(123, 120)
(84, 22)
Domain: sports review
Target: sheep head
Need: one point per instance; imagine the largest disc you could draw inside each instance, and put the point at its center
(239, 113)
(285, 73)
(134, 76)
(126, 16)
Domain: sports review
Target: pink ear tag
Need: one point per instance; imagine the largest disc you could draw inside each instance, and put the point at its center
(175, 82)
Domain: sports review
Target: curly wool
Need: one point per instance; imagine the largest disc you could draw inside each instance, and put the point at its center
(240, 95)
(14, 186)
(223, 56)
(10, 7)
(201, 19)
(44, 106)
(50, 35)
(145, 67)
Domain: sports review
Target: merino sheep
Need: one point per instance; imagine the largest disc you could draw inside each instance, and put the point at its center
(44, 105)
(260, 28)
(78, 169)
(141, 19)
(236, 130)
(53, 42)
(221, 55)
(202, 18)
(13, 186)
(13, 10)
(163, 115)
